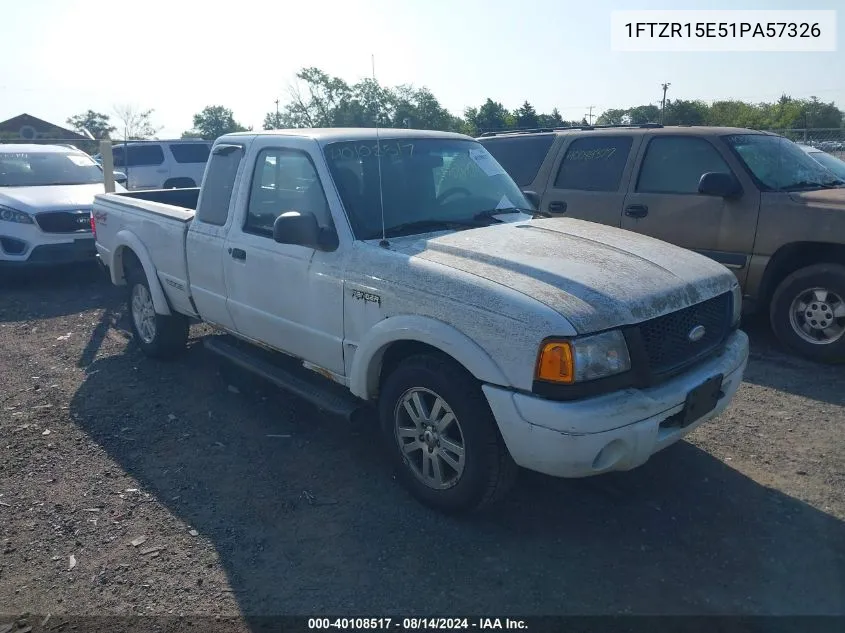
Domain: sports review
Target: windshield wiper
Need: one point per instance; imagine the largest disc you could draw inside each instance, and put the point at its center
(431, 225)
(805, 184)
(492, 213)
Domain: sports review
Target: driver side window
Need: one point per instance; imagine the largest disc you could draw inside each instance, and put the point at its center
(284, 180)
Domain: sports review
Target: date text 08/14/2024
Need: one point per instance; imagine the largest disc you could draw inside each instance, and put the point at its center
(415, 624)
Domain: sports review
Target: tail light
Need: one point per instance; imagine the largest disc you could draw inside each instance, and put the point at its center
(93, 225)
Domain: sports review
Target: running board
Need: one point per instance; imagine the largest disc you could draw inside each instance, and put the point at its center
(286, 373)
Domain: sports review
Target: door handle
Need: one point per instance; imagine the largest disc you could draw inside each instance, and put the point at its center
(238, 253)
(557, 207)
(636, 211)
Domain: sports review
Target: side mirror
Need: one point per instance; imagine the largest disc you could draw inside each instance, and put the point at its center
(293, 227)
(719, 184)
(533, 197)
(120, 177)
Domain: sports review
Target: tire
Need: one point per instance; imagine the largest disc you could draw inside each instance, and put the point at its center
(487, 472)
(163, 336)
(179, 183)
(819, 292)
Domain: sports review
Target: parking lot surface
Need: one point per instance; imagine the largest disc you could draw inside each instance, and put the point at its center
(242, 500)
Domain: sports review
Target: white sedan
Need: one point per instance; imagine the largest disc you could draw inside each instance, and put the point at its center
(829, 161)
(46, 193)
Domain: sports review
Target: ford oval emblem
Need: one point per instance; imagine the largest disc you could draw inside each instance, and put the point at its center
(696, 334)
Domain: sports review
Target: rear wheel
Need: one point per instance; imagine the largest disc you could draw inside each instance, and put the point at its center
(808, 312)
(158, 335)
(442, 436)
(179, 183)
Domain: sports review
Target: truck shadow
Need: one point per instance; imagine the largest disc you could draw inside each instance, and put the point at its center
(307, 519)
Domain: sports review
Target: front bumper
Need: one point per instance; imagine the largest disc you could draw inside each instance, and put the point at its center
(80, 250)
(617, 431)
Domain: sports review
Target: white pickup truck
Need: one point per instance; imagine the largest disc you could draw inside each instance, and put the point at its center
(406, 269)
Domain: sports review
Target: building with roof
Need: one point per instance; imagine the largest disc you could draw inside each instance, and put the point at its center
(26, 127)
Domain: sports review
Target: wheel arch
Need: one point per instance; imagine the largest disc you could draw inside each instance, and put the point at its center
(179, 182)
(791, 257)
(396, 338)
(130, 247)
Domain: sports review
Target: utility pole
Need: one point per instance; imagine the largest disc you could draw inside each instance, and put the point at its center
(663, 105)
(589, 116)
(277, 109)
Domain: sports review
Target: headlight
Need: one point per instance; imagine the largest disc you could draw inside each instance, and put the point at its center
(737, 305)
(11, 215)
(580, 359)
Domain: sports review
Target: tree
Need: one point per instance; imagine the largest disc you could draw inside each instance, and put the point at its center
(526, 116)
(821, 115)
(681, 112)
(213, 122)
(490, 117)
(366, 104)
(420, 109)
(737, 114)
(274, 121)
(644, 114)
(551, 120)
(315, 104)
(612, 117)
(96, 123)
(135, 124)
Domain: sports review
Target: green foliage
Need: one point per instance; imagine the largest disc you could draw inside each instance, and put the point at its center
(785, 113)
(96, 123)
(681, 112)
(317, 99)
(526, 116)
(213, 122)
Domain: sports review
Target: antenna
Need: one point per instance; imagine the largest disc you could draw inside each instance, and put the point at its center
(383, 243)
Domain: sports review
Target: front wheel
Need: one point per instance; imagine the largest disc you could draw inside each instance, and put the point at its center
(158, 335)
(441, 434)
(808, 312)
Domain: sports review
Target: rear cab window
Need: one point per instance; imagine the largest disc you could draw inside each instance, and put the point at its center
(594, 163)
(218, 184)
(521, 156)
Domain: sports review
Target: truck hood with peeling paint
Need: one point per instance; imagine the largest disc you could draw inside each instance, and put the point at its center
(595, 276)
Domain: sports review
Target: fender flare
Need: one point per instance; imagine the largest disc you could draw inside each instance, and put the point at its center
(128, 240)
(366, 364)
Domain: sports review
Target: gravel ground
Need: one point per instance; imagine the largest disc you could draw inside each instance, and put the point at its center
(129, 486)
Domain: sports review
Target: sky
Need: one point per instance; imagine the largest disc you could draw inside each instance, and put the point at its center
(62, 57)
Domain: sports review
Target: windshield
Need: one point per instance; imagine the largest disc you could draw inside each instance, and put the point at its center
(425, 183)
(833, 164)
(40, 169)
(778, 164)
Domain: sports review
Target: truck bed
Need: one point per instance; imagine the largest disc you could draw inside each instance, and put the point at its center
(160, 220)
(179, 202)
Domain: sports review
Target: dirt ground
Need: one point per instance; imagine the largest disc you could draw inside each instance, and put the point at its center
(134, 487)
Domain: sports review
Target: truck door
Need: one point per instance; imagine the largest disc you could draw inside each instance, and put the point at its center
(205, 246)
(590, 177)
(664, 202)
(285, 295)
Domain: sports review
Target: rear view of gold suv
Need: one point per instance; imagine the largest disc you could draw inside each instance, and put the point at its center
(753, 201)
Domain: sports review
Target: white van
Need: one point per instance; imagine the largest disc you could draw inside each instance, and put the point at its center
(162, 164)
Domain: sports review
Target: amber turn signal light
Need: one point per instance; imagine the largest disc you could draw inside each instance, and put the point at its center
(556, 363)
